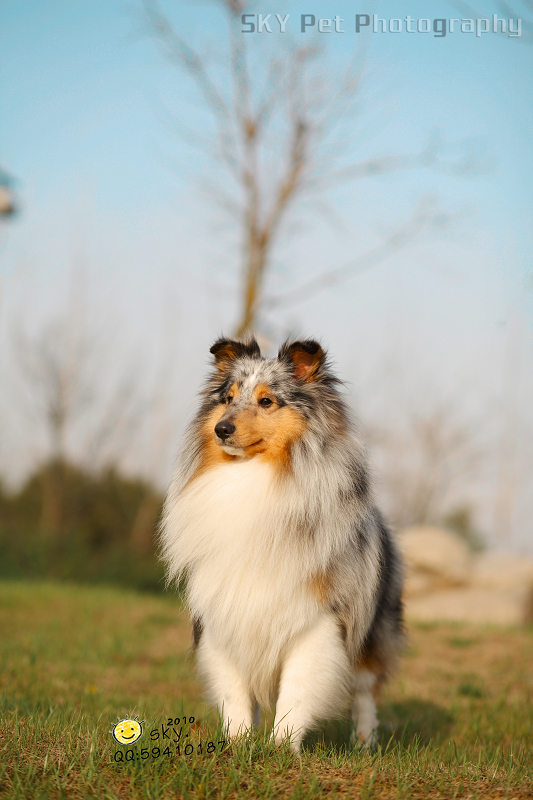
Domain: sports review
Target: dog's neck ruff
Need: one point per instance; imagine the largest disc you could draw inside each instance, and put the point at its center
(241, 507)
(246, 507)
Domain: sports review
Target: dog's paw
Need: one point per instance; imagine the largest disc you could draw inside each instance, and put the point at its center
(293, 741)
(366, 740)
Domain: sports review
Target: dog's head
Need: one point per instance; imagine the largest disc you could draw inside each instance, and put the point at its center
(263, 404)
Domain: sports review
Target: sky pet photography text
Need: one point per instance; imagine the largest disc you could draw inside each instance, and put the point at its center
(276, 23)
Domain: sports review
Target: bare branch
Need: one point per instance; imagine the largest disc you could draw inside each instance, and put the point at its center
(430, 157)
(423, 216)
(273, 135)
(55, 365)
(427, 461)
(179, 52)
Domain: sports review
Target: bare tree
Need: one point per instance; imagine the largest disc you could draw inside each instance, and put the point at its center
(63, 384)
(53, 366)
(430, 464)
(55, 363)
(280, 139)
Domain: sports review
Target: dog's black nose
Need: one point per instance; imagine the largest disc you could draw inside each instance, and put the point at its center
(223, 429)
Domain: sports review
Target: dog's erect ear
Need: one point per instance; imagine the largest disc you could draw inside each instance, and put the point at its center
(307, 357)
(227, 350)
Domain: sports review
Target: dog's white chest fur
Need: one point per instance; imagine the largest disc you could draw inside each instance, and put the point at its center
(249, 575)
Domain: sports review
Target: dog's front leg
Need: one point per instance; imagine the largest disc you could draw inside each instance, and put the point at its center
(315, 681)
(364, 714)
(226, 686)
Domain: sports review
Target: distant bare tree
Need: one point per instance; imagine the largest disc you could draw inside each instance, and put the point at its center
(428, 464)
(55, 363)
(63, 382)
(281, 139)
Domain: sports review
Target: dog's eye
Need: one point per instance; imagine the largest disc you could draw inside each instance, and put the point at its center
(266, 402)
(229, 399)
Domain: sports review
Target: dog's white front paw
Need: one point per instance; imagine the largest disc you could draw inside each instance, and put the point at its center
(364, 738)
(295, 740)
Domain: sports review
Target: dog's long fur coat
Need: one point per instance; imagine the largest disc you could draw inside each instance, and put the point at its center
(294, 582)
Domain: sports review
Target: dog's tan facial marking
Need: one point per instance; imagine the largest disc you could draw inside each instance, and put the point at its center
(280, 430)
(248, 432)
(212, 454)
(265, 399)
(233, 394)
(262, 427)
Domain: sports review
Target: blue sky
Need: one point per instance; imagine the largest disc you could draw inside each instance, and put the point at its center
(103, 188)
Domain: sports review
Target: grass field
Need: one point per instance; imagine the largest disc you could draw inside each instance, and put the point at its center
(456, 722)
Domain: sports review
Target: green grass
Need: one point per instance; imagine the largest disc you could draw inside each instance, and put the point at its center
(457, 721)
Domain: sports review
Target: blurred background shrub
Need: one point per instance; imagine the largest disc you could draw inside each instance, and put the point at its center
(67, 523)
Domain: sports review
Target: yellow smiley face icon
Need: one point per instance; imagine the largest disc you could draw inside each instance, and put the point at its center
(127, 731)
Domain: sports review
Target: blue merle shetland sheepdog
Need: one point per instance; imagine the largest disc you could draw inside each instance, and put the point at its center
(294, 582)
